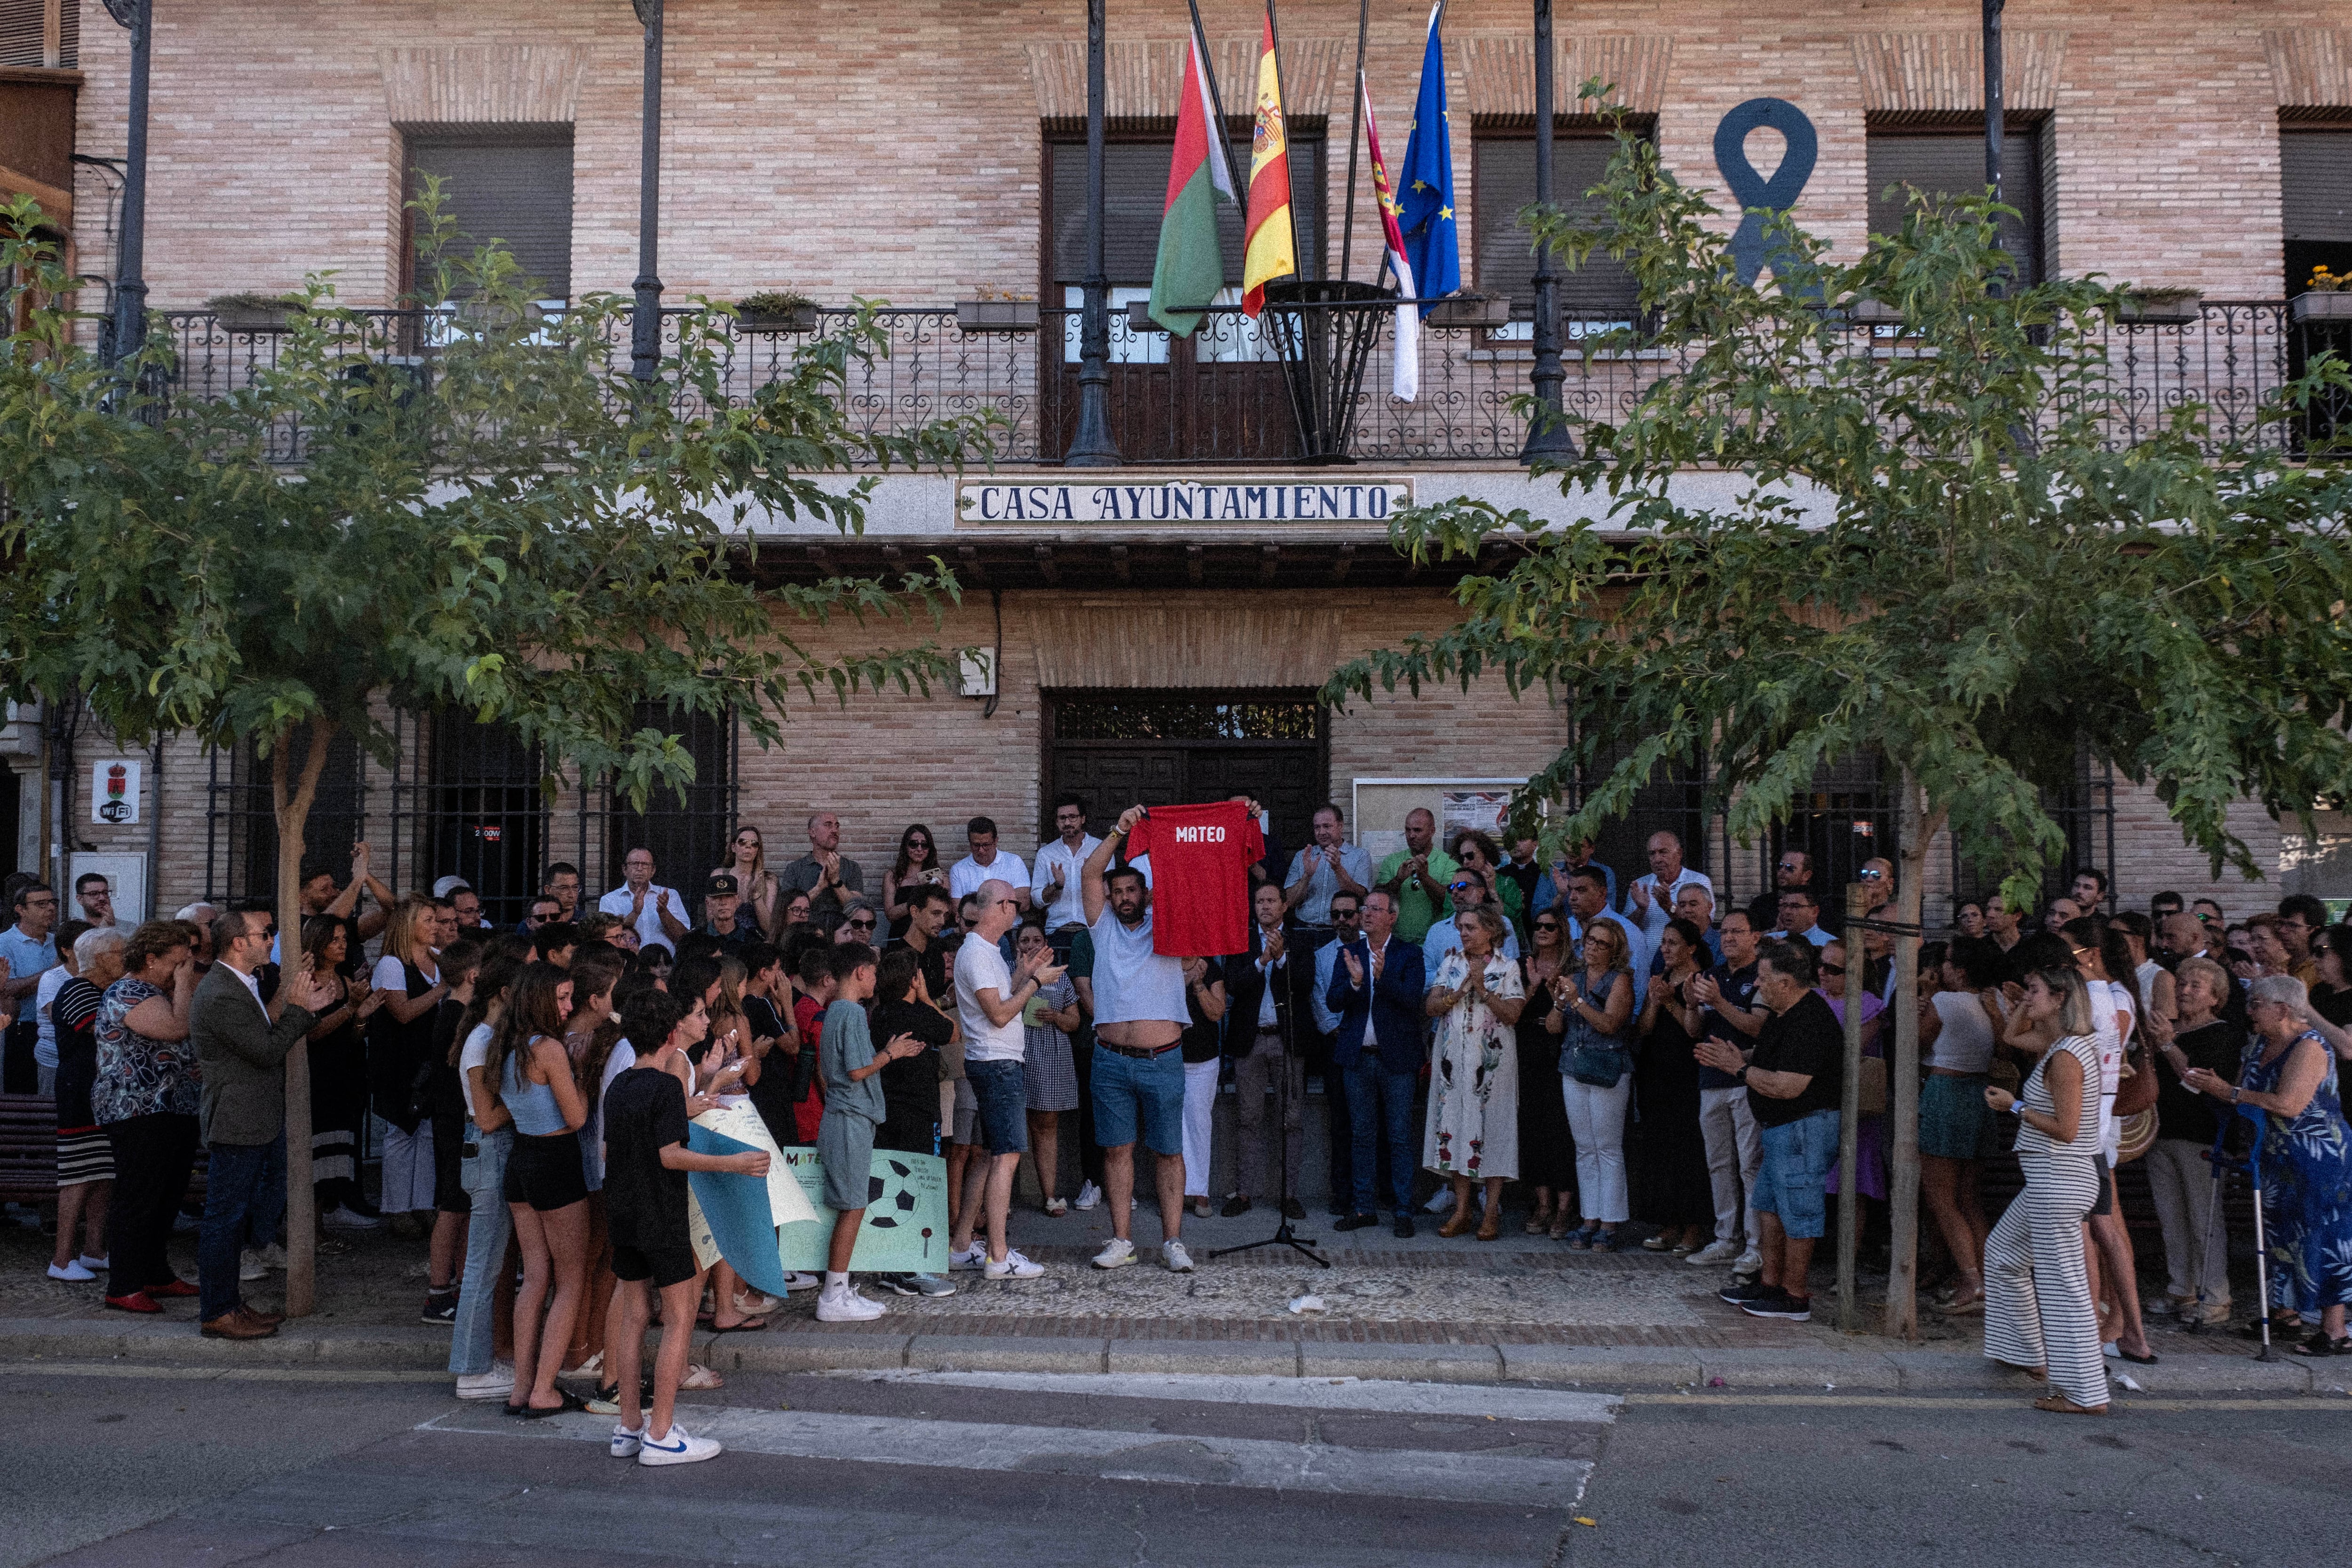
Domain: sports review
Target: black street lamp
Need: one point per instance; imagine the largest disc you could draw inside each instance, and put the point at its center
(126, 328)
(1547, 436)
(645, 322)
(1092, 447)
(1993, 86)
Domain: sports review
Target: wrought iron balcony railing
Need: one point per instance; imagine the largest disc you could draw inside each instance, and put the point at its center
(1220, 395)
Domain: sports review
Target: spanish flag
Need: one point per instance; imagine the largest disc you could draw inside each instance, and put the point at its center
(1268, 251)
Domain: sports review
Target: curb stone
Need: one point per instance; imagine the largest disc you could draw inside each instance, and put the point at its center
(783, 1349)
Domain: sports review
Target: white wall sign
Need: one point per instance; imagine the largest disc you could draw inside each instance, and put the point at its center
(114, 791)
(1255, 499)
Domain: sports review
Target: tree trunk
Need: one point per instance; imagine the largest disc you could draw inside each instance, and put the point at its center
(293, 811)
(1849, 1219)
(1914, 825)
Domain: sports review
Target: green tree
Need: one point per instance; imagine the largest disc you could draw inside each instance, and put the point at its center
(473, 509)
(1938, 553)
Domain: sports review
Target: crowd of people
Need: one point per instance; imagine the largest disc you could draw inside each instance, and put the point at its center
(1641, 1064)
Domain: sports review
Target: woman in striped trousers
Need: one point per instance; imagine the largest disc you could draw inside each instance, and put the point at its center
(2038, 1310)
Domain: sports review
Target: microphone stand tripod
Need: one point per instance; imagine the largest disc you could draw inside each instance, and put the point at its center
(1283, 1234)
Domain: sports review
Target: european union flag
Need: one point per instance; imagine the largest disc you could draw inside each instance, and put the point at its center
(1425, 200)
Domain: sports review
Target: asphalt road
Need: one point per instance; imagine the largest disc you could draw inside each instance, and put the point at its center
(137, 1466)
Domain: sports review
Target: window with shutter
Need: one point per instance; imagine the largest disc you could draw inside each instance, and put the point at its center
(1599, 296)
(511, 184)
(1938, 161)
(1135, 192)
(2316, 199)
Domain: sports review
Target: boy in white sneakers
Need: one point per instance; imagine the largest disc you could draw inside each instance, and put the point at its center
(854, 1107)
(646, 1162)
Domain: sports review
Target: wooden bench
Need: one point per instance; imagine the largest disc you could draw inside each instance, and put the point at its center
(28, 1148)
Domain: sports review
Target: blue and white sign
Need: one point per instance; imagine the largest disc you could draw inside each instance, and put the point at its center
(1181, 501)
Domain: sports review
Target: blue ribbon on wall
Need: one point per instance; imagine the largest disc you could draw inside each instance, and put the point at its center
(1751, 249)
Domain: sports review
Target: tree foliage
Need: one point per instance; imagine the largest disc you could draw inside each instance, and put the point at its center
(1937, 551)
(474, 509)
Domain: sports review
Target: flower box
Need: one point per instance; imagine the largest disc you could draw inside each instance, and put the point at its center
(1487, 310)
(1139, 319)
(2317, 306)
(252, 312)
(800, 318)
(997, 315)
(2163, 306)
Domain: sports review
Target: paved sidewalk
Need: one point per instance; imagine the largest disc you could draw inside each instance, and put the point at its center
(1520, 1308)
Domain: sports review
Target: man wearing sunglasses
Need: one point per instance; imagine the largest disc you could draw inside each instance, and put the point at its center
(722, 912)
(1792, 872)
(1468, 889)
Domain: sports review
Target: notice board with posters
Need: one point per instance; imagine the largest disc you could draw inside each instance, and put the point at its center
(1381, 805)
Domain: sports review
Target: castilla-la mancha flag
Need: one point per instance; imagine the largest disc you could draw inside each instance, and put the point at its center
(1269, 250)
(1191, 271)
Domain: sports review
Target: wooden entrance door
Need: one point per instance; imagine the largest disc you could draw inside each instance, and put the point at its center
(1119, 749)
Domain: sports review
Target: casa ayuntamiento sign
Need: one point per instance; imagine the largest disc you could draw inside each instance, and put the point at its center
(1255, 499)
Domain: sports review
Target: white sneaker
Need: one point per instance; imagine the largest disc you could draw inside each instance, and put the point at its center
(1714, 1252)
(1440, 1203)
(1748, 1262)
(274, 1256)
(844, 1305)
(680, 1448)
(250, 1267)
(343, 1218)
(972, 1256)
(1012, 1266)
(495, 1384)
(1116, 1253)
(1088, 1196)
(1172, 1254)
(72, 1273)
(627, 1444)
(796, 1280)
(100, 1264)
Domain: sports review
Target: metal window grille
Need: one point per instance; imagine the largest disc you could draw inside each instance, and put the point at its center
(466, 802)
(688, 837)
(241, 823)
(1673, 803)
(1846, 818)
(2084, 810)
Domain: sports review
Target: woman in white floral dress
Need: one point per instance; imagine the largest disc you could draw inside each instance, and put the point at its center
(1473, 1130)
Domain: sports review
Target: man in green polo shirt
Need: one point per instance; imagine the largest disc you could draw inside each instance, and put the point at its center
(1415, 876)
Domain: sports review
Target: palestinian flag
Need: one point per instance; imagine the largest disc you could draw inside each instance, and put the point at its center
(1191, 272)
(1268, 251)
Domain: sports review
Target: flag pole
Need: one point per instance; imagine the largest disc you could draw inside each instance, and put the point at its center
(1273, 35)
(1355, 137)
(1217, 103)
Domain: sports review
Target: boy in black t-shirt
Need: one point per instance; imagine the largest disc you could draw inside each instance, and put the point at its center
(646, 1162)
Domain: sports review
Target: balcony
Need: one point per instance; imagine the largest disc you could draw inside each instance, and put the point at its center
(1221, 396)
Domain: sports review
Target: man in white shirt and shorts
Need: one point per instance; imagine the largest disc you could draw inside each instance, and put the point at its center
(1138, 1080)
(990, 995)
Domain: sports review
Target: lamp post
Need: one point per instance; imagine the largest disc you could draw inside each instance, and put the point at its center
(1993, 86)
(645, 322)
(126, 328)
(1092, 447)
(1547, 436)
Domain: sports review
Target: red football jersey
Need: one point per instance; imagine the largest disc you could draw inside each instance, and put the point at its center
(1201, 857)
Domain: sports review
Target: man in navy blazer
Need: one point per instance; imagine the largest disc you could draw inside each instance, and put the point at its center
(1378, 985)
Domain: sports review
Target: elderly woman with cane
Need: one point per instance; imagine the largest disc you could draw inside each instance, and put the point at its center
(2289, 1074)
(2038, 1312)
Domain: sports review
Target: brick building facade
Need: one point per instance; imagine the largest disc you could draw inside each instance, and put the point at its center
(908, 152)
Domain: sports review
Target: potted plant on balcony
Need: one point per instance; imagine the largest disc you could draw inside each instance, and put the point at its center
(2162, 307)
(2328, 298)
(249, 313)
(997, 310)
(1471, 310)
(776, 310)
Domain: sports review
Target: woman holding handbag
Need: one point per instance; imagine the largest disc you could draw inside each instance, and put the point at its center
(1592, 1008)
